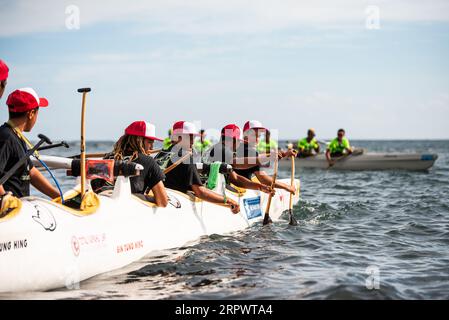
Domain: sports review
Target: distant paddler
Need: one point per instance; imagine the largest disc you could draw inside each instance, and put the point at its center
(266, 144)
(202, 144)
(166, 144)
(248, 152)
(180, 166)
(135, 145)
(23, 106)
(3, 76)
(308, 146)
(338, 147)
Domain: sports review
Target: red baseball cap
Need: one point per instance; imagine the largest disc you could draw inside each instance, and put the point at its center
(252, 124)
(3, 70)
(25, 99)
(184, 127)
(142, 129)
(231, 131)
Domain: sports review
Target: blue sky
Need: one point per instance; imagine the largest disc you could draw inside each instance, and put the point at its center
(290, 64)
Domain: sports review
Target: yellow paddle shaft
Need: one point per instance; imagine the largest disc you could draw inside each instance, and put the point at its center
(83, 147)
(292, 181)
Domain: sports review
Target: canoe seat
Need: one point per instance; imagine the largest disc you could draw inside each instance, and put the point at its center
(11, 209)
(145, 199)
(236, 190)
(80, 207)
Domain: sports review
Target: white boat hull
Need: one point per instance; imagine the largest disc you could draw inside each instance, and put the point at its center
(368, 161)
(47, 246)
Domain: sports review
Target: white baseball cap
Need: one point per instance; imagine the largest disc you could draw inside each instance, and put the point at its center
(142, 129)
(184, 127)
(252, 124)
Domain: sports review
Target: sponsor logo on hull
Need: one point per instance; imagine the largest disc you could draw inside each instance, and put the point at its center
(13, 245)
(129, 246)
(174, 201)
(252, 207)
(44, 217)
(87, 242)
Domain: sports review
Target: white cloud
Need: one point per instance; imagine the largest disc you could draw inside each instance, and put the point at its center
(438, 103)
(211, 17)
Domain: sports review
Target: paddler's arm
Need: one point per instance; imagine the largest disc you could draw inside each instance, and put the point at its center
(42, 184)
(329, 159)
(267, 180)
(242, 182)
(4, 153)
(160, 195)
(288, 153)
(347, 146)
(210, 196)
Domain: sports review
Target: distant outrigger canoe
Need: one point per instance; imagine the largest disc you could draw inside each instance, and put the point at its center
(367, 161)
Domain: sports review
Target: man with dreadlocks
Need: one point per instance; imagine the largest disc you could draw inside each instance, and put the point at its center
(135, 145)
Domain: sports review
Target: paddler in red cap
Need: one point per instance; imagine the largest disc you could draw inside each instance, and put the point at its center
(135, 145)
(23, 105)
(248, 151)
(225, 151)
(3, 76)
(184, 176)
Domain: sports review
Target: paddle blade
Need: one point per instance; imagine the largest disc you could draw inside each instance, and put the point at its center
(293, 221)
(267, 220)
(44, 138)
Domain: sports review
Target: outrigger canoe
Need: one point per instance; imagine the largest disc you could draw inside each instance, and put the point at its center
(47, 245)
(367, 161)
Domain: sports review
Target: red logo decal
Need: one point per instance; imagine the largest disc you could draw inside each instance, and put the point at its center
(75, 246)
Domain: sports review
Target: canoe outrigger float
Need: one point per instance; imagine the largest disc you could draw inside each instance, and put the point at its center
(368, 161)
(47, 245)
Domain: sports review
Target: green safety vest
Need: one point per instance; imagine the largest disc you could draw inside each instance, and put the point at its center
(336, 147)
(201, 146)
(166, 143)
(264, 147)
(306, 146)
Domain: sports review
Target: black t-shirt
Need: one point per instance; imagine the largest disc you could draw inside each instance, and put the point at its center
(244, 150)
(184, 175)
(148, 178)
(12, 149)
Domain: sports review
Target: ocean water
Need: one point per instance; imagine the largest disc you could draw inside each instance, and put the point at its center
(361, 235)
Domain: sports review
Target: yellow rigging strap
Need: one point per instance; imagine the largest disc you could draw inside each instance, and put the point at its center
(20, 135)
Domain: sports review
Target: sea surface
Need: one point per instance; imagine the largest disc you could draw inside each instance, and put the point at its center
(361, 235)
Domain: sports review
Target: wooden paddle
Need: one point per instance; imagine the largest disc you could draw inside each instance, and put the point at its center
(266, 218)
(174, 165)
(355, 152)
(84, 91)
(292, 219)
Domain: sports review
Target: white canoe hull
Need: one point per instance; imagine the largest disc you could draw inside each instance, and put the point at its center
(368, 161)
(46, 246)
